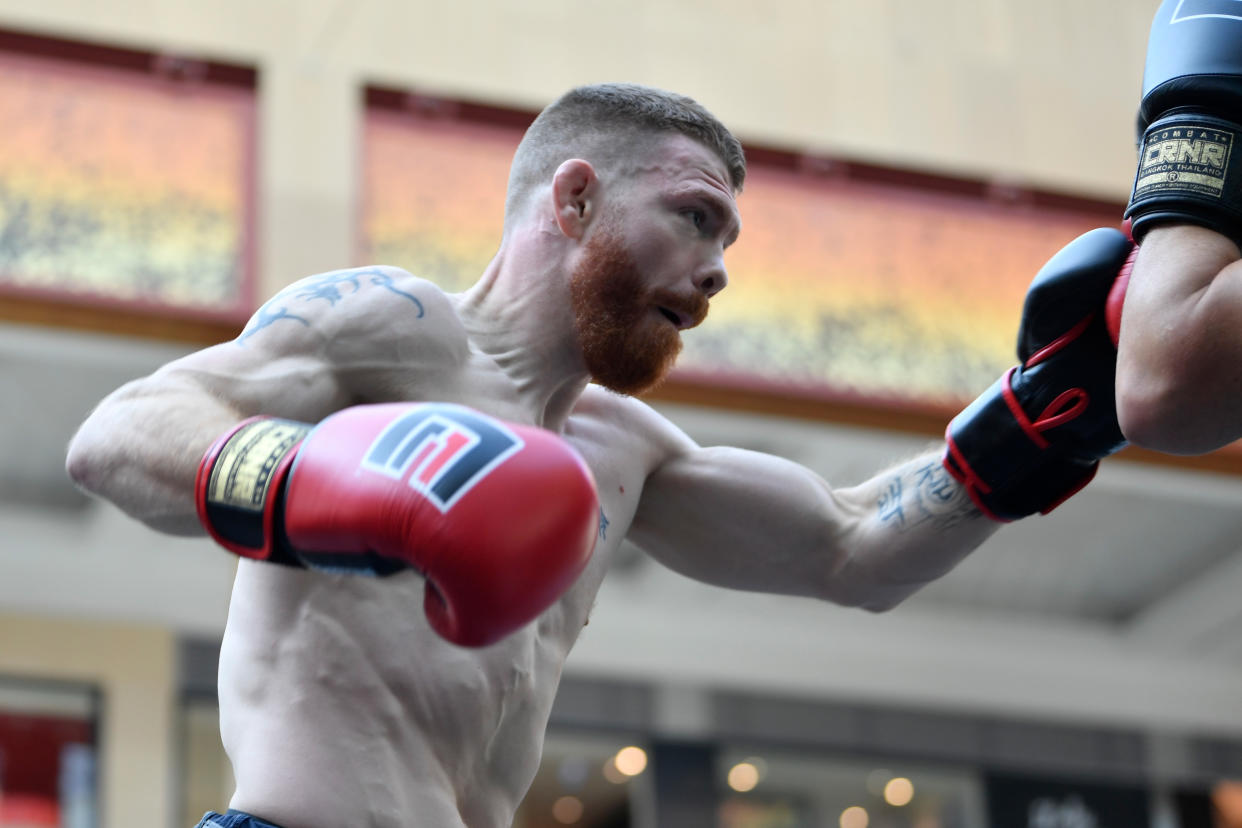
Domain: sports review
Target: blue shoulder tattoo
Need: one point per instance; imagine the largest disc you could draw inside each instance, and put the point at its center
(328, 287)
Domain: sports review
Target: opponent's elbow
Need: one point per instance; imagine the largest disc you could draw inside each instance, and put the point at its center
(872, 600)
(877, 600)
(1165, 411)
(1142, 419)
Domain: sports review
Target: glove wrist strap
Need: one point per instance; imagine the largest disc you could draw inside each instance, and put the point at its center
(240, 483)
(1189, 171)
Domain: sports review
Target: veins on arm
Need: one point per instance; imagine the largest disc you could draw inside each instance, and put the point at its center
(333, 288)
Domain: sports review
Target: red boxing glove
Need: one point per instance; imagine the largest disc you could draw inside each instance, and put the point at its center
(499, 518)
(1117, 293)
(1116, 301)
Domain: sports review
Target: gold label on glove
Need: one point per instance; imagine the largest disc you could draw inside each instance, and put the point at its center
(242, 473)
(1184, 158)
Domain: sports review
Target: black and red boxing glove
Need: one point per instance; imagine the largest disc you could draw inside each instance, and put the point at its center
(1190, 120)
(499, 518)
(1037, 435)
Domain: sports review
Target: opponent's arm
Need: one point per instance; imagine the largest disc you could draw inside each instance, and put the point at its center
(1179, 363)
(1179, 373)
(1032, 440)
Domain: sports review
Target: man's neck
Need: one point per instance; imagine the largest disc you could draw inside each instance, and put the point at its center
(519, 315)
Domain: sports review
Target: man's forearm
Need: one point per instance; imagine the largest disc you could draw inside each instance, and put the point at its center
(920, 523)
(1179, 363)
(140, 450)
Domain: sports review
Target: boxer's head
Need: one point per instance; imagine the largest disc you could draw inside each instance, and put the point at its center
(609, 125)
(659, 175)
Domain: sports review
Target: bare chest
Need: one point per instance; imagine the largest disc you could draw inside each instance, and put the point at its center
(618, 457)
(359, 658)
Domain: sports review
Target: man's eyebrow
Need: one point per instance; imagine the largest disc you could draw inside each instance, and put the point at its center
(722, 210)
(724, 215)
(732, 237)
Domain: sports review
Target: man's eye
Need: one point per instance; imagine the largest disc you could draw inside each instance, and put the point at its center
(697, 217)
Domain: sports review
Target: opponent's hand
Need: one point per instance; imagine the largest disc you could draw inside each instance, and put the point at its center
(1036, 436)
(499, 518)
(1190, 123)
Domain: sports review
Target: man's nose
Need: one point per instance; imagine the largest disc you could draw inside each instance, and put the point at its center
(711, 279)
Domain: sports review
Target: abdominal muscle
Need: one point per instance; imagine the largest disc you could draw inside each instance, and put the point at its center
(340, 706)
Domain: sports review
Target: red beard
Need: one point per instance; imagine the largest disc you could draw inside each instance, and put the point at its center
(628, 346)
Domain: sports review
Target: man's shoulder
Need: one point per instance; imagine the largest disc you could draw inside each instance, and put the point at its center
(356, 299)
(633, 416)
(598, 401)
(375, 286)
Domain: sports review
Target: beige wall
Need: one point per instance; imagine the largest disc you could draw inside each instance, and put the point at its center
(1036, 94)
(134, 667)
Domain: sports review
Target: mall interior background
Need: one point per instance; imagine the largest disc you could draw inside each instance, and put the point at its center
(914, 163)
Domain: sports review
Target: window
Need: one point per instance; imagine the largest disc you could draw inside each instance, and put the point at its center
(125, 180)
(48, 758)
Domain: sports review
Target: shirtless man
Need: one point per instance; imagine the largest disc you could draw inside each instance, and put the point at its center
(344, 704)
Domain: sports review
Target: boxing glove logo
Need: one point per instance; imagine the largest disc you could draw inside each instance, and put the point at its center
(445, 450)
(1185, 157)
(1196, 9)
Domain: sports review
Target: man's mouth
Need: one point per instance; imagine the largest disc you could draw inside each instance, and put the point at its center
(679, 321)
(682, 312)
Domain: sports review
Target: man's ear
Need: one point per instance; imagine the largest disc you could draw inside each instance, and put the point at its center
(575, 190)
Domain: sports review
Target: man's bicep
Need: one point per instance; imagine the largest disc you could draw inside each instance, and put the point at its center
(744, 520)
(141, 446)
(250, 378)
